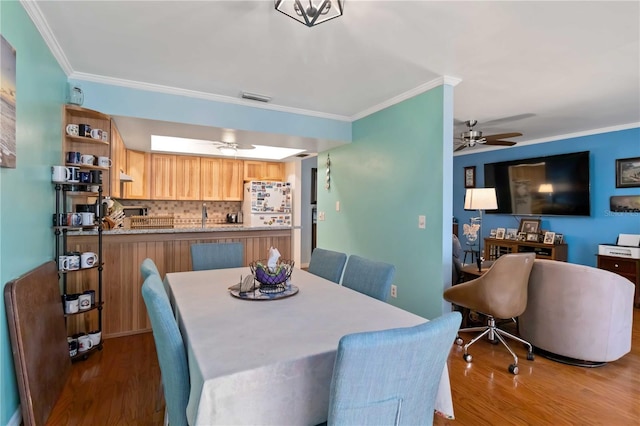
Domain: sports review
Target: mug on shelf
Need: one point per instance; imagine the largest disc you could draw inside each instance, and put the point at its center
(71, 304)
(74, 174)
(92, 295)
(104, 162)
(73, 157)
(63, 263)
(74, 261)
(84, 130)
(59, 219)
(96, 134)
(84, 343)
(85, 177)
(96, 177)
(88, 259)
(84, 302)
(73, 346)
(95, 337)
(74, 219)
(105, 136)
(88, 218)
(72, 129)
(87, 159)
(94, 188)
(59, 174)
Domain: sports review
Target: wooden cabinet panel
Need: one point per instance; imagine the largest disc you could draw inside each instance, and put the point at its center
(163, 177)
(118, 160)
(211, 178)
(274, 171)
(187, 178)
(139, 168)
(232, 183)
(263, 170)
(628, 268)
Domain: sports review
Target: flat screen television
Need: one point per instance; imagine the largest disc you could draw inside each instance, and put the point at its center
(541, 186)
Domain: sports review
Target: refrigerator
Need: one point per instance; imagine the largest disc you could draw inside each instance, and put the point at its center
(267, 203)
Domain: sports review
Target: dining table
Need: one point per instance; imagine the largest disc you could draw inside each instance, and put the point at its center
(270, 362)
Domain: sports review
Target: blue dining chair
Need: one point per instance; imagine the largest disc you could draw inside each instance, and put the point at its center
(327, 264)
(170, 349)
(391, 377)
(148, 267)
(370, 277)
(216, 256)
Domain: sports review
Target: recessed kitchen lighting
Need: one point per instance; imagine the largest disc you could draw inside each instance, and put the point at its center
(206, 147)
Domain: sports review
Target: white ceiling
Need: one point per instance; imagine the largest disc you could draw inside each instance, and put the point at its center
(556, 68)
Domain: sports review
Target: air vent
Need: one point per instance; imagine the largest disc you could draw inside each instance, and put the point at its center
(255, 97)
(302, 155)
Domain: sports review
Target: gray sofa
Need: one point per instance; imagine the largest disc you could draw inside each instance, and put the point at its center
(578, 311)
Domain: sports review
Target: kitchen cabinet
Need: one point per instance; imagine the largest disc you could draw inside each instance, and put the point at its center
(232, 183)
(139, 168)
(211, 179)
(263, 170)
(188, 178)
(163, 177)
(118, 161)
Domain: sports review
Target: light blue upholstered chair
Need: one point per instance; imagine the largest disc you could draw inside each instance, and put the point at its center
(172, 355)
(148, 267)
(370, 277)
(327, 264)
(217, 256)
(391, 377)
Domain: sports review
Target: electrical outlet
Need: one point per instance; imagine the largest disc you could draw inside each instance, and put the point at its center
(394, 290)
(320, 215)
(337, 206)
(422, 221)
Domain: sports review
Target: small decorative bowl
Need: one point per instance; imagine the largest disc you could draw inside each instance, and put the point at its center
(265, 277)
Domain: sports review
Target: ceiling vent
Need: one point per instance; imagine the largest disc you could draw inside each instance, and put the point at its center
(303, 155)
(255, 97)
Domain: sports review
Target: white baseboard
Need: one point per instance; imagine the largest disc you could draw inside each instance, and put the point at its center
(16, 419)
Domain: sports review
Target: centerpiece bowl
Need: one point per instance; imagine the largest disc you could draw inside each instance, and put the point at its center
(272, 280)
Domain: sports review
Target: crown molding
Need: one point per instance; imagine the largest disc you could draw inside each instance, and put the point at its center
(34, 12)
(440, 81)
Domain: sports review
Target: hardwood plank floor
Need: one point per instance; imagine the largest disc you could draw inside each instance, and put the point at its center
(120, 385)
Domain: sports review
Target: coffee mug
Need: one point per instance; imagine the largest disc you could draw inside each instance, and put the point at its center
(84, 130)
(73, 346)
(63, 263)
(87, 159)
(88, 218)
(95, 337)
(96, 177)
(74, 174)
(92, 295)
(84, 343)
(73, 157)
(105, 136)
(72, 129)
(84, 302)
(94, 188)
(59, 219)
(74, 261)
(104, 162)
(71, 304)
(96, 134)
(88, 259)
(85, 177)
(74, 219)
(59, 174)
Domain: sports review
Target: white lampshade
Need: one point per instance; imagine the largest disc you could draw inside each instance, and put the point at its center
(480, 199)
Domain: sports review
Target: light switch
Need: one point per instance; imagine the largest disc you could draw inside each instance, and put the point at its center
(337, 206)
(320, 215)
(422, 222)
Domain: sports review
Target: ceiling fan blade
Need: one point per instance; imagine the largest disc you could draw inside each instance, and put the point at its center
(502, 136)
(245, 146)
(510, 118)
(461, 147)
(497, 142)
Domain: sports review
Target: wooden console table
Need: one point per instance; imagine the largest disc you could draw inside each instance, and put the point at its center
(494, 248)
(628, 268)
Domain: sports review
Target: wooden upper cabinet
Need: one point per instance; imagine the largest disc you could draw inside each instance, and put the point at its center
(118, 160)
(263, 170)
(139, 168)
(232, 183)
(163, 177)
(188, 177)
(211, 178)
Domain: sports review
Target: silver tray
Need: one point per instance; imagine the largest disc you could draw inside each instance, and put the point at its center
(258, 295)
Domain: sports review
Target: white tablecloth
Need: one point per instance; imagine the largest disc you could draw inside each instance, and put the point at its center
(270, 362)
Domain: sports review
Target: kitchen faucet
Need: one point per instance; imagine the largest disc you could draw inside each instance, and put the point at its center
(204, 214)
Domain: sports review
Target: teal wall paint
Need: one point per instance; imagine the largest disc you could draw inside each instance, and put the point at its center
(583, 234)
(392, 172)
(26, 194)
(117, 100)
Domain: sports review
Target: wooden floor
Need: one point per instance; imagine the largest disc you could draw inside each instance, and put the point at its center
(120, 386)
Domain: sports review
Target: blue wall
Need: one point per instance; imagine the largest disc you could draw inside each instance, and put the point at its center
(26, 193)
(582, 234)
(394, 170)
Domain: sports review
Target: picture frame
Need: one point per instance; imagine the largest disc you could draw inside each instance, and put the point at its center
(493, 233)
(559, 239)
(522, 236)
(549, 237)
(532, 237)
(512, 234)
(470, 177)
(628, 172)
(529, 226)
(500, 233)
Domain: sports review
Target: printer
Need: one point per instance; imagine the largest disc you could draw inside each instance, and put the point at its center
(627, 246)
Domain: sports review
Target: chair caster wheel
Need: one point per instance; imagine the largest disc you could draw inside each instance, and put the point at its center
(467, 357)
(459, 341)
(513, 369)
(530, 356)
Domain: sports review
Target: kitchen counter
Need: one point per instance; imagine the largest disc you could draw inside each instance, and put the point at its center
(210, 228)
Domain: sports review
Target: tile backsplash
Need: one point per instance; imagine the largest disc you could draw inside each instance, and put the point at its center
(188, 213)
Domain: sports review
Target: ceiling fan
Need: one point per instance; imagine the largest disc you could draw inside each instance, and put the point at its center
(472, 137)
(228, 148)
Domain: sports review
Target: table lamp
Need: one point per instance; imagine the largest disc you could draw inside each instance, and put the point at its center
(480, 199)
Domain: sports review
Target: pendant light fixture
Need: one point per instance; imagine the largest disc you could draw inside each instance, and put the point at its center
(311, 12)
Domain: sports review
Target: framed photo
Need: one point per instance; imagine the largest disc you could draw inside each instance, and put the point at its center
(522, 236)
(493, 233)
(559, 239)
(529, 226)
(500, 233)
(512, 234)
(470, 177)
(549, 237)
(628, 172)
(532, 237)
